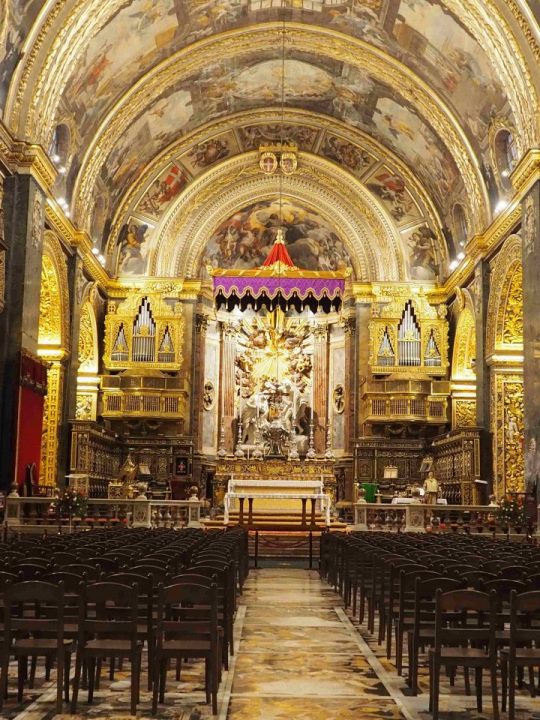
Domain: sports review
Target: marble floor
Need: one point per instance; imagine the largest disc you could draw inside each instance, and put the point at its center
(298, 655)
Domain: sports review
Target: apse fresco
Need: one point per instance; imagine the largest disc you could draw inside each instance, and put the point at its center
(156, 128)
(16, 19)
(244, 240)
(421, 33)
(347, 154)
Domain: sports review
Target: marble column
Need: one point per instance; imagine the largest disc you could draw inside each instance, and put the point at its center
(24, 212)
(201, 326)
(483, 417)
(228, 382)
(76, 283)
(320, 385)
(530, 233)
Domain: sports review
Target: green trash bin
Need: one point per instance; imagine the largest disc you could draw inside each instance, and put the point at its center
(370, 490)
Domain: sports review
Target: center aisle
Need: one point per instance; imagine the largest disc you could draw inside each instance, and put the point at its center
(299, 656)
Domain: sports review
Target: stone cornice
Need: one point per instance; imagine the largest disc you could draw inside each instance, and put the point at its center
(26, 159)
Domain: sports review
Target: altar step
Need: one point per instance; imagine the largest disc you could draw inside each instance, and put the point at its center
(271, 520)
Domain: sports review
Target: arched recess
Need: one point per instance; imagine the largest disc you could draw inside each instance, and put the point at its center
(88, 355)
(370, 236)
(505, 355)
(463, 378)
(53, 346)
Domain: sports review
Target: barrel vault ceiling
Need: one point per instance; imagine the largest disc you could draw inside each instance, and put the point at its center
(136, 100)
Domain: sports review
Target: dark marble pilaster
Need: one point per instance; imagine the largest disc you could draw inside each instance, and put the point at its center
(530, 233)
(483, 412)
(201, 326)
(76, 282)
(24, 210)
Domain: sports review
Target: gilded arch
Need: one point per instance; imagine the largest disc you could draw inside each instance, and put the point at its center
(53, 346)
(368, 231)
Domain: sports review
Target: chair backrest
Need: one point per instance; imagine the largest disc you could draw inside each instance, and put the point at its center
(70, 581)
(524, 619)
(503, 588)
(514, 572)
(475, 578)
(474, 618)
(108, 609)
(64, 558)
(43, 604)
(188, 608)
(30, 571)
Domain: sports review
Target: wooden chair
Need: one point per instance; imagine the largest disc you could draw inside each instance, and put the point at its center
(521, 653)
(107, 629)
(195, 637)
(39, 631)
(421, 631)
(146, 608)
(470, 643)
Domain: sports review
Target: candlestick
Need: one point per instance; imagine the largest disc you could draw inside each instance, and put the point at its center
(329, 454)
(311, 454)
(222, 452)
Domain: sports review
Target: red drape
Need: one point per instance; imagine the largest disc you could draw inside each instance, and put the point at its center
(30, 403)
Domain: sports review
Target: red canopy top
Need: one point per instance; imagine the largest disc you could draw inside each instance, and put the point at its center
(278, 255)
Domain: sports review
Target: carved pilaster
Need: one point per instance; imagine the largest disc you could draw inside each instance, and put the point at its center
(349, 411)
(483, 412)
(320, 384)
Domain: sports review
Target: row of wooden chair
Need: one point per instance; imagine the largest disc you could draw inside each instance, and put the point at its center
(180, 584)
(455, 598)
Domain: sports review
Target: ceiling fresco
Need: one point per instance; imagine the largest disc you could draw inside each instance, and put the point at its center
(333, 89)
(441, 45)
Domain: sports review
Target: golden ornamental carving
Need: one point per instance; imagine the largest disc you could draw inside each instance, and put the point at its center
(512, 332)
(321, 41)
(84, 407)
(54, 317)
(88, 342)
(503, 268)
(464, 413)
(508, 432)
(51, 424)
(464, 354)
